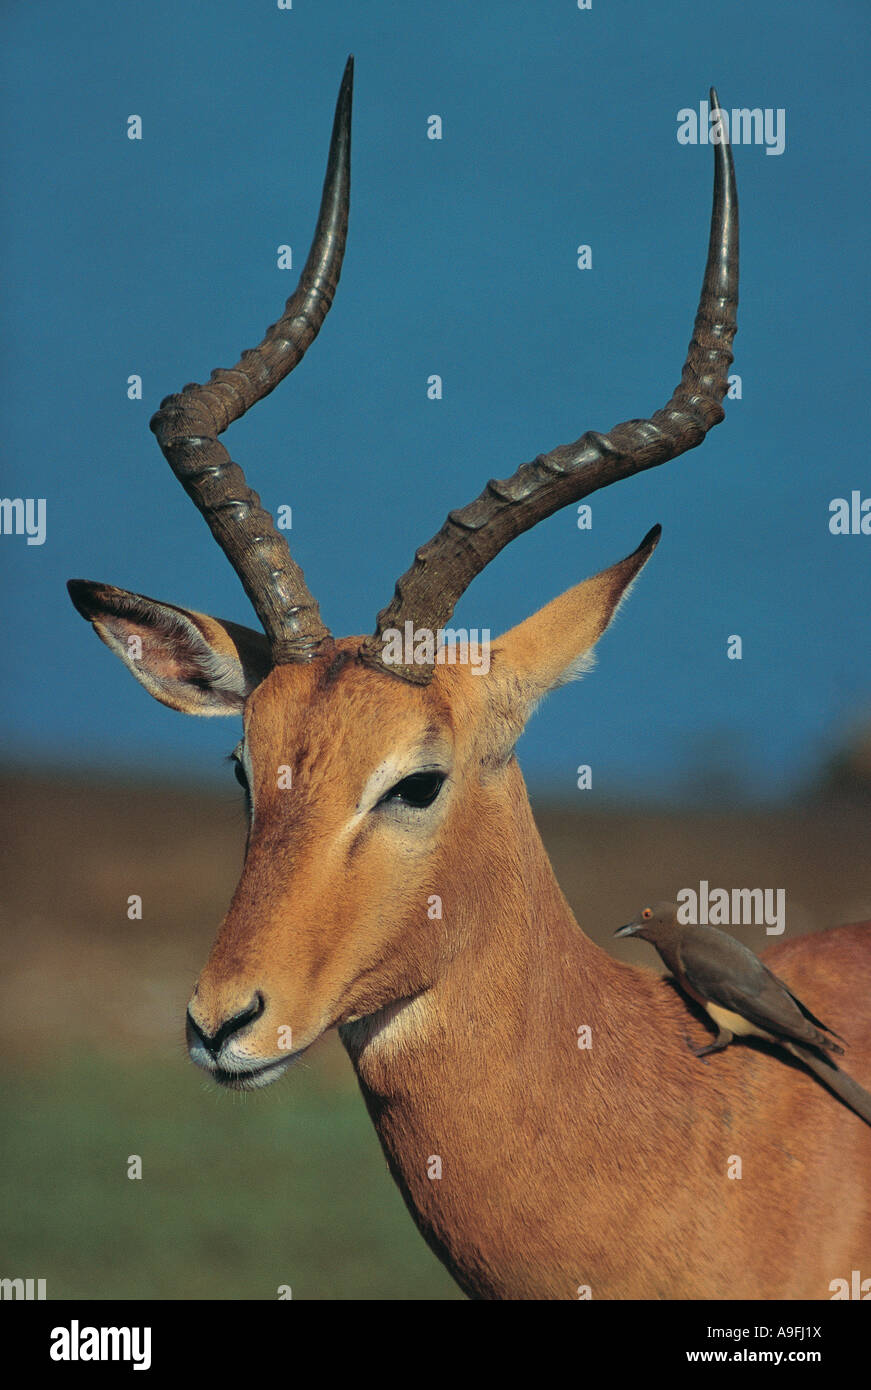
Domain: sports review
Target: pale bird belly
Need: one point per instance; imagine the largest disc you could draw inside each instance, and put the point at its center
(724, 1018)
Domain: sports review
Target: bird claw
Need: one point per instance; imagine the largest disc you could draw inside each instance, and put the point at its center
(696, 1051)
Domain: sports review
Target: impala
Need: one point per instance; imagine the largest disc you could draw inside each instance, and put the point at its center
(395, 885)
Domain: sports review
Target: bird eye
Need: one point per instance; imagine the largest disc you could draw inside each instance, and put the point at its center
(646, 913)
(418, 790)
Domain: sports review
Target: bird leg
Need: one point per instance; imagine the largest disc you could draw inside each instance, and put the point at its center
(723, 1038)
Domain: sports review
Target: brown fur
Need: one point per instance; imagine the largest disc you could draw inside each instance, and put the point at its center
(561, 1167)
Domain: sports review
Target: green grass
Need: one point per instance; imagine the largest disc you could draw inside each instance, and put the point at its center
(239, 1194)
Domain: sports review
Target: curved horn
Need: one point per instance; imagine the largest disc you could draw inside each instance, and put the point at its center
(187, 425)
(443, 568)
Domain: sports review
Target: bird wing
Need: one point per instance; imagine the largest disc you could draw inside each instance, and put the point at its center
(806, 1011)
(725, 972)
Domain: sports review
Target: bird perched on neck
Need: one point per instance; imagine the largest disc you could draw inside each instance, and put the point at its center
(743, 997)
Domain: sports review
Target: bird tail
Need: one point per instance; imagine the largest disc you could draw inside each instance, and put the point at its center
(848, 1090)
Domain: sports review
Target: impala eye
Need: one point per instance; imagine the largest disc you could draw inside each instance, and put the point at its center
(418, 790)
(238, 770)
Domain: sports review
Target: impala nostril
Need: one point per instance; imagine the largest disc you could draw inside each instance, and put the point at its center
(213, 1042)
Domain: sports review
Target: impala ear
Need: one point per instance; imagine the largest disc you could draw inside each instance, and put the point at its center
(556, 644)
(193, 663)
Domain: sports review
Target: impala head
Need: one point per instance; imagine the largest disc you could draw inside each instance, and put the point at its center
(381, 780)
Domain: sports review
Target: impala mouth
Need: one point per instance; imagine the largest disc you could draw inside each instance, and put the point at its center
(251, 1078)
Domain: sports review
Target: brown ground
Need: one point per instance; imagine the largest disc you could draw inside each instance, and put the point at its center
(76, 969)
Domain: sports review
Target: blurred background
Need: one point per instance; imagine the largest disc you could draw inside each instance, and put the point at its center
(158, 258)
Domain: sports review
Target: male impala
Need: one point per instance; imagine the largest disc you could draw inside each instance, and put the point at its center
(561, 1168)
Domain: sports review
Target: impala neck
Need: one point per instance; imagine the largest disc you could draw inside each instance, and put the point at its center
(481, 1079)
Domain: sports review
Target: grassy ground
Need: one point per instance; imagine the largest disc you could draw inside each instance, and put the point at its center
(238, 1196)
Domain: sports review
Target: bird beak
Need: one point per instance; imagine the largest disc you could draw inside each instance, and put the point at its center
(629, 930)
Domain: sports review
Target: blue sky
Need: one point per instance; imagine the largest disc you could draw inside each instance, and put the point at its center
(158, 257)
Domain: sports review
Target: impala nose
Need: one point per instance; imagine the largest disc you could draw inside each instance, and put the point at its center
(213, 1042)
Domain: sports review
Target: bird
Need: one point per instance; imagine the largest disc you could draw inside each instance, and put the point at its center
(743, 997)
